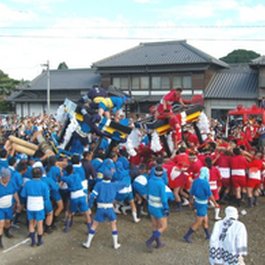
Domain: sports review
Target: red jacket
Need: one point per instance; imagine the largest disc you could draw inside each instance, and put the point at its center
(194, 169)
(239, 164)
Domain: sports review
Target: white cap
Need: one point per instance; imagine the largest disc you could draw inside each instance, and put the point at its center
(231, 212)
(37, 164)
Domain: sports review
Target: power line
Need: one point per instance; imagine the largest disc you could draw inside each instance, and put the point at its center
(125, 38)
(134, 27)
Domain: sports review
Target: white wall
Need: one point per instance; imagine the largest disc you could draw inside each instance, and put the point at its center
(34, 109)
(225, 104)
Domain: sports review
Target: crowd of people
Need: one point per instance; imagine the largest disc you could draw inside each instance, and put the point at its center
(88, 178)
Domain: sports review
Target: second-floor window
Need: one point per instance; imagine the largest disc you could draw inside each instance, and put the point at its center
(140, 82)
(136, 82)
(160, 82)
(182, 81)
(121, 82)
(157, 82)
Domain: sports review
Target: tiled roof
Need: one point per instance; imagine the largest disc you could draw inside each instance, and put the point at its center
(65, 79)
(160, 53)
(235, 83)
(41, 96)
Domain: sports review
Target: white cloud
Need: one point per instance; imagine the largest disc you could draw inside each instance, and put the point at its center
(199, 9)
(42, 5)
(9, 15)
(81, 41)
(142, 1)
(226, 4)
(73, 48)
(251, 14)
(186, 11)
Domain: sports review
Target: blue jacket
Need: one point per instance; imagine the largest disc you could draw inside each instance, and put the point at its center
(54, 173)
(16, 178)
(200, 189)
(73, 181)
(164, 176)
(105, 192)
(156, 193)
(36, 188)
(9, 191)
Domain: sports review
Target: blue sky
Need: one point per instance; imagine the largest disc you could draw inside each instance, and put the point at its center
(81, 32)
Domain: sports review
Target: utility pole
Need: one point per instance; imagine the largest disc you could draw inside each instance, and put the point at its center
(47, 65)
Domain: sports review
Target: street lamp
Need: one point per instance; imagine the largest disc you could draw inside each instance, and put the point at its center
(48, 86)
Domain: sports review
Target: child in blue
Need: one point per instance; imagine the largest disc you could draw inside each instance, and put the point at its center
(157, 206)
(125, 194)
(80, 171)
(159, 162)
(97, 161)
(3, 158)
(123, 157)
(54, 173)
(16, 177)
(8, 193)
(21, 169)
(36, 193)
(104, 193)
(140, 188)
(52, 170)
(78, 198)
(201, 192)
(108, 164)
(53, 189)
(28, 174)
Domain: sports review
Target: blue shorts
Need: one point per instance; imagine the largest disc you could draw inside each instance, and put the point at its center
(157, 213)
(56, 196)
(6, 213)
(121, 197)
(79, 204)
(103, 215)
(36, 215)
(202, 209)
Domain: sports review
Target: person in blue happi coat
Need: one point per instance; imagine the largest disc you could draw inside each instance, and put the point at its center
(36, 193)
(201, 193)
(8, 194)
(157, 206)
(104, 194)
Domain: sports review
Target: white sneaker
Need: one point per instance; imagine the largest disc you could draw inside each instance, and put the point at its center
(117, 246)
(185, 203)
(136, 220)
(86, 245)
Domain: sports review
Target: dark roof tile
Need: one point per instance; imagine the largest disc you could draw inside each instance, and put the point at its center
(235, 83)
(159, 53)
(75, 79)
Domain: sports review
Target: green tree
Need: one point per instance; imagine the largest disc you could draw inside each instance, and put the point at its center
(62, 66)
(240, 56)
(7, 85)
